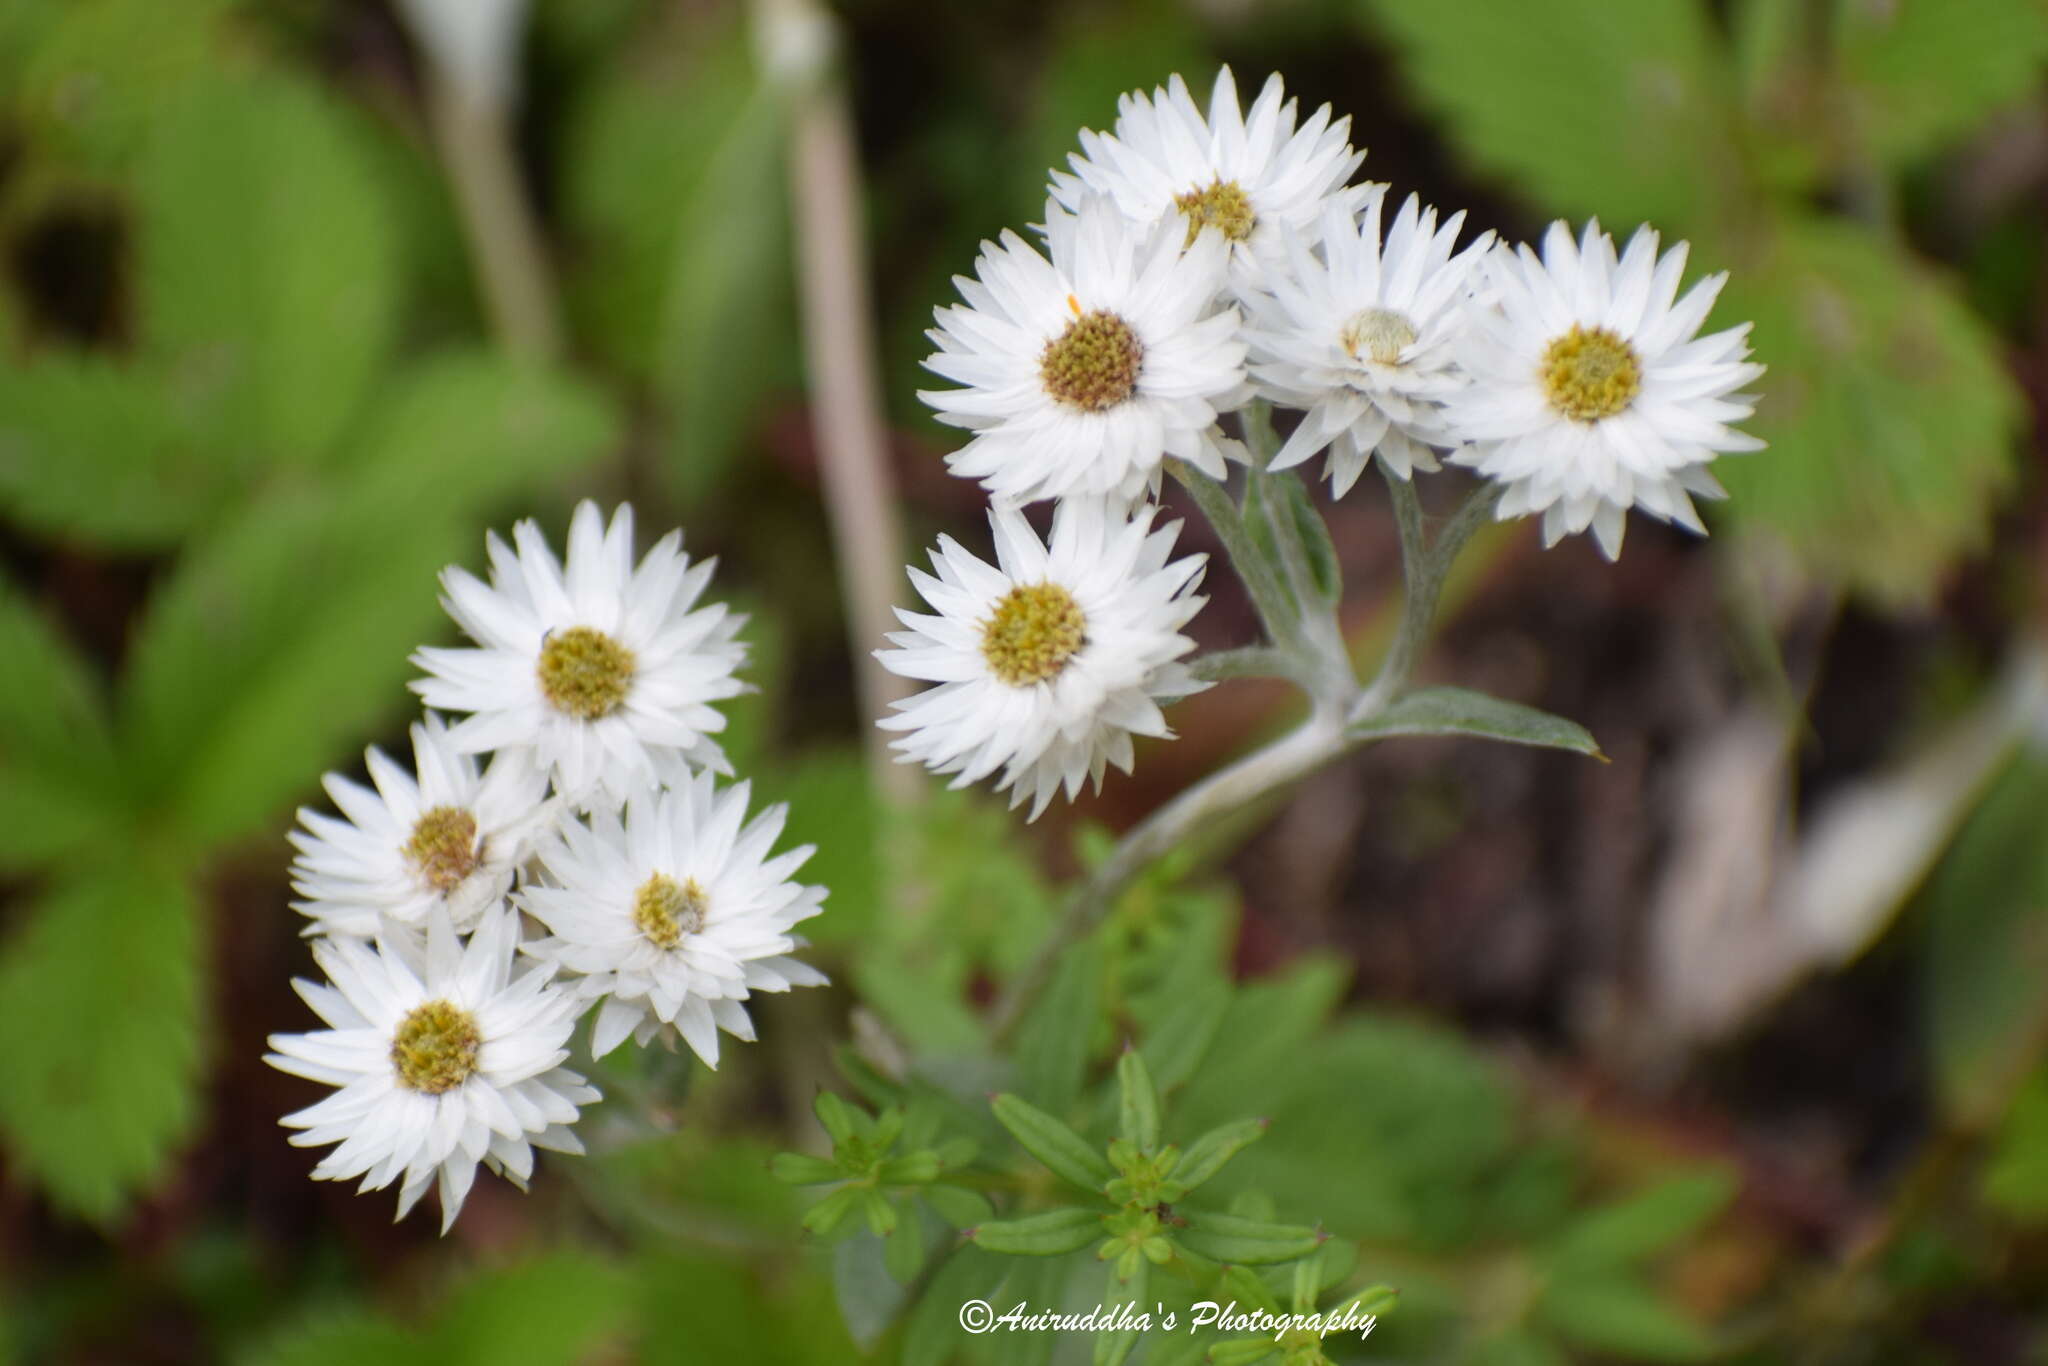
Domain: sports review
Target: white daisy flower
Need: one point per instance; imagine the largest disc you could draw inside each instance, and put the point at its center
(604, 673)
(443, 1059)
(1591, 391)
(675, 914)
(1252, 178)
(1050, 660)
(1363, 339)
(448, 840)
(1082, 372)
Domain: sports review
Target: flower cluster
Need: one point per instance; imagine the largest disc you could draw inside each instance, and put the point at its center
(467, 914)
(1191, 263)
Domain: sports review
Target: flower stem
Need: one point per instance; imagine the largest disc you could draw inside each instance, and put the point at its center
(1425, 567)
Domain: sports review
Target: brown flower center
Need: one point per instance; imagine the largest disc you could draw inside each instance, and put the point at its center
(584, 673)
(443, 847)
(435, 1047)
(1094, 363)
(1590, 373)
(1032, 634)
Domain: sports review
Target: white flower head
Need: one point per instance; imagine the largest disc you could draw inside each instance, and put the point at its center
(674, 914)
(605, 672)
(443, 1059)
(1081, 373)
(448, 839)
(1591, 391)
(1364, 338)
(1050, 660)
(1253, 178)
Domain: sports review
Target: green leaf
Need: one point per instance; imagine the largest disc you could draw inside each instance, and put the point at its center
(1460, 711)
(101, 1000)
(1888, 409)
(1051, 1234)
(1137, 1101)
(1288, 498)
(1112, 1348)
(2015, 1178)
(1618, 1234)
(1985, 918)
(835, 1116)
(932, 1335)
(825, 1218)
(557, 1310)
(59, 785)
(99, 452)
(1246, 1242)
(338, 1337)
(1596, 108)
(1620, 1317)
(1208, 1154)
(92, 77)
(801, 1169)
(1919, 75)
(868, 1298)
(958, 1206)
(268, 265)
(903, 1250)
(1055, 1038)
(1063, 1152)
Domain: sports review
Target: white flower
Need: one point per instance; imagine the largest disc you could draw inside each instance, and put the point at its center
(1364, 339)
(1253, 178)
(443, 1059)
(674, 914)
(1084, 371)
(448, 840)
(1590, 390)
(605, 673)
(1049, 661)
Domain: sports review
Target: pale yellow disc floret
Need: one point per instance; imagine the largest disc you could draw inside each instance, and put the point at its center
(1380, 333)
(443, 847)
(1221, 204)
(584, 672)
(435, 1047)
(1032, 633)
(1094, 364)
(1590, 373)
(664, 910)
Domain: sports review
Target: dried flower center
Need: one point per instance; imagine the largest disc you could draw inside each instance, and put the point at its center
(665, 910)
(443, 847)
(1094, 363)
(1220, 204)
(1032, 634)
(435, 1047)
(1590, 373)
(1381, 333)
(584, 672)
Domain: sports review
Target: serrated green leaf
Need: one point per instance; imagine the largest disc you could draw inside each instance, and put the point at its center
(1137, 1101)
(59, 784)
(1052, 1234)
(1622, 1317)
(1207, 1155)
(268, 265)
(1617, 110)
(1246, 1242)
(1922, 72)
(1055, 1038)
(101, 998)
(1460, 711)
(1063, 1152)
(99, 452)
(1887, 408)
(1628, 1231)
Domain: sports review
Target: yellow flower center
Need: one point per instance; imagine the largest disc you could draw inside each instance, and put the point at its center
(1381, 333)
(665, 910)
(1590, 373)
(1220, 204)
(1094, 363)
(443, 847)
(1032, 634)
(435, 1047)
(584, 673)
